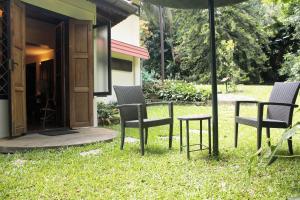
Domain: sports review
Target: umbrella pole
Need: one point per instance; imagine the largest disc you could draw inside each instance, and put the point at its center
(214, 87)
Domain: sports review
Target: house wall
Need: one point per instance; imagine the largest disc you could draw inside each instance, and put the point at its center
(126, 31)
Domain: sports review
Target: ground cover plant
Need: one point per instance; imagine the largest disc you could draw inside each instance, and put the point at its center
(160, 174)
(177, 91)
(107, 114)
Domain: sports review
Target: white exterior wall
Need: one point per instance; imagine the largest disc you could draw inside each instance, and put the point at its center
(127, 31)
(4, 119)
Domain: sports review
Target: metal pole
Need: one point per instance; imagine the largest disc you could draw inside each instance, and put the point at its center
(214, 87)
(162, 45)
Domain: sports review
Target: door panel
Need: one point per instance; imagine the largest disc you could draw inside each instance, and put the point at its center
(81, 73)
(17, 67)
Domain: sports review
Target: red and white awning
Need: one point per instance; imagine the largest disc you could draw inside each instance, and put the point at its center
(129, 49)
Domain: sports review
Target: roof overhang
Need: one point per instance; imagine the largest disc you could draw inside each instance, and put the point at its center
(129, 49)
(114, 10)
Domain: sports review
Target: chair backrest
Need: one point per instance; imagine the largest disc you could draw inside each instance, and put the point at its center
(283, 93)
(130, 95)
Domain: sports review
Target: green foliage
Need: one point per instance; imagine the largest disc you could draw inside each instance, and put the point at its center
(149, 76)
(255, 40)
(107, 114)
(240, 38)
(175, 90)
(151, 40)
(291, 67)
(289, 133)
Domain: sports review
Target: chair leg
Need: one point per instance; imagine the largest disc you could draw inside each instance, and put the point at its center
(290, 144)
(146, 136)
(142, 140)
(187, 140)
(170, 135)
(268, 136)
(200, 134)
(259, 137)
(180, 135)
(122, 136)
(209, 137)
(236, 132)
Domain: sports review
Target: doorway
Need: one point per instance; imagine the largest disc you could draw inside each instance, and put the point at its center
(45, 70)
(61, 48)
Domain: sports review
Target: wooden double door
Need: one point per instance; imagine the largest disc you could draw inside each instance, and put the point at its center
(78, 65)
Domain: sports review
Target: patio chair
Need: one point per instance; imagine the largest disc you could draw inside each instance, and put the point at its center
(133, 113)
(279, 113)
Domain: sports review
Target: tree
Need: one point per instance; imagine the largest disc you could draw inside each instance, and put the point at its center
(291, 17)
(161, 19)
(240, 38)
(150, 36)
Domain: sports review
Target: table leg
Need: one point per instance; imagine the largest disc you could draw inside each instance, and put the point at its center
(209, 137)
(187, 139)
(180, 136)
(200, 134)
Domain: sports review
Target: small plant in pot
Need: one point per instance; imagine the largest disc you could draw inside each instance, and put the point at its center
(107, 114)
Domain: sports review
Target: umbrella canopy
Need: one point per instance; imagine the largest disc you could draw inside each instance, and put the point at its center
(192, 4)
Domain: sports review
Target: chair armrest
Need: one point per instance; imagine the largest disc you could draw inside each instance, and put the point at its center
(278, 104)
(260, 110)
(128, 105)
(139, 109)
(170, 105)
(252, 102)
(237, 106)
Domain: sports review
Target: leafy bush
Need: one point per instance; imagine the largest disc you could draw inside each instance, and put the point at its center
(291, 67)
(107, 114)
(174, 90)
(149, 76)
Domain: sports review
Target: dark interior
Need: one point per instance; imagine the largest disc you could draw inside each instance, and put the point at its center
(45, 70)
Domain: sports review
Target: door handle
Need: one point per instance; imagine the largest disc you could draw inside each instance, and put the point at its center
(12, 64)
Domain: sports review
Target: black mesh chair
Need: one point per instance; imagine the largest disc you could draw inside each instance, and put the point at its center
(279, 114)
(133, 112)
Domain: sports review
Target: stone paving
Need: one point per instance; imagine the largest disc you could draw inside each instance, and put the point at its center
(231, 98)
(37, 141)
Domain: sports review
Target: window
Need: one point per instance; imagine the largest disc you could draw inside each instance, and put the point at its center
(121, 65)
(102, 59)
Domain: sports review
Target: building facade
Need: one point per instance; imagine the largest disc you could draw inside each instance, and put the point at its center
(56, 61)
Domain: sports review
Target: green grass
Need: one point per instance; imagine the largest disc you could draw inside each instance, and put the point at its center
(160, 174)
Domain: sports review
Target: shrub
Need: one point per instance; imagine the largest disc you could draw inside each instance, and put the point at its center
(291, 66)
(107, 114)
(174, 90)
(151, 89)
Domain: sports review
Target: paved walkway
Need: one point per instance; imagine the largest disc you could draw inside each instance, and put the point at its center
(231, 98)
(37, 141)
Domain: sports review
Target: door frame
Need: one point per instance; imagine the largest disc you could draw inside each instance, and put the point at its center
(66, 38)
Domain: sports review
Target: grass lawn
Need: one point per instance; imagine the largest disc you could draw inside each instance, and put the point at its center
(160, 174)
